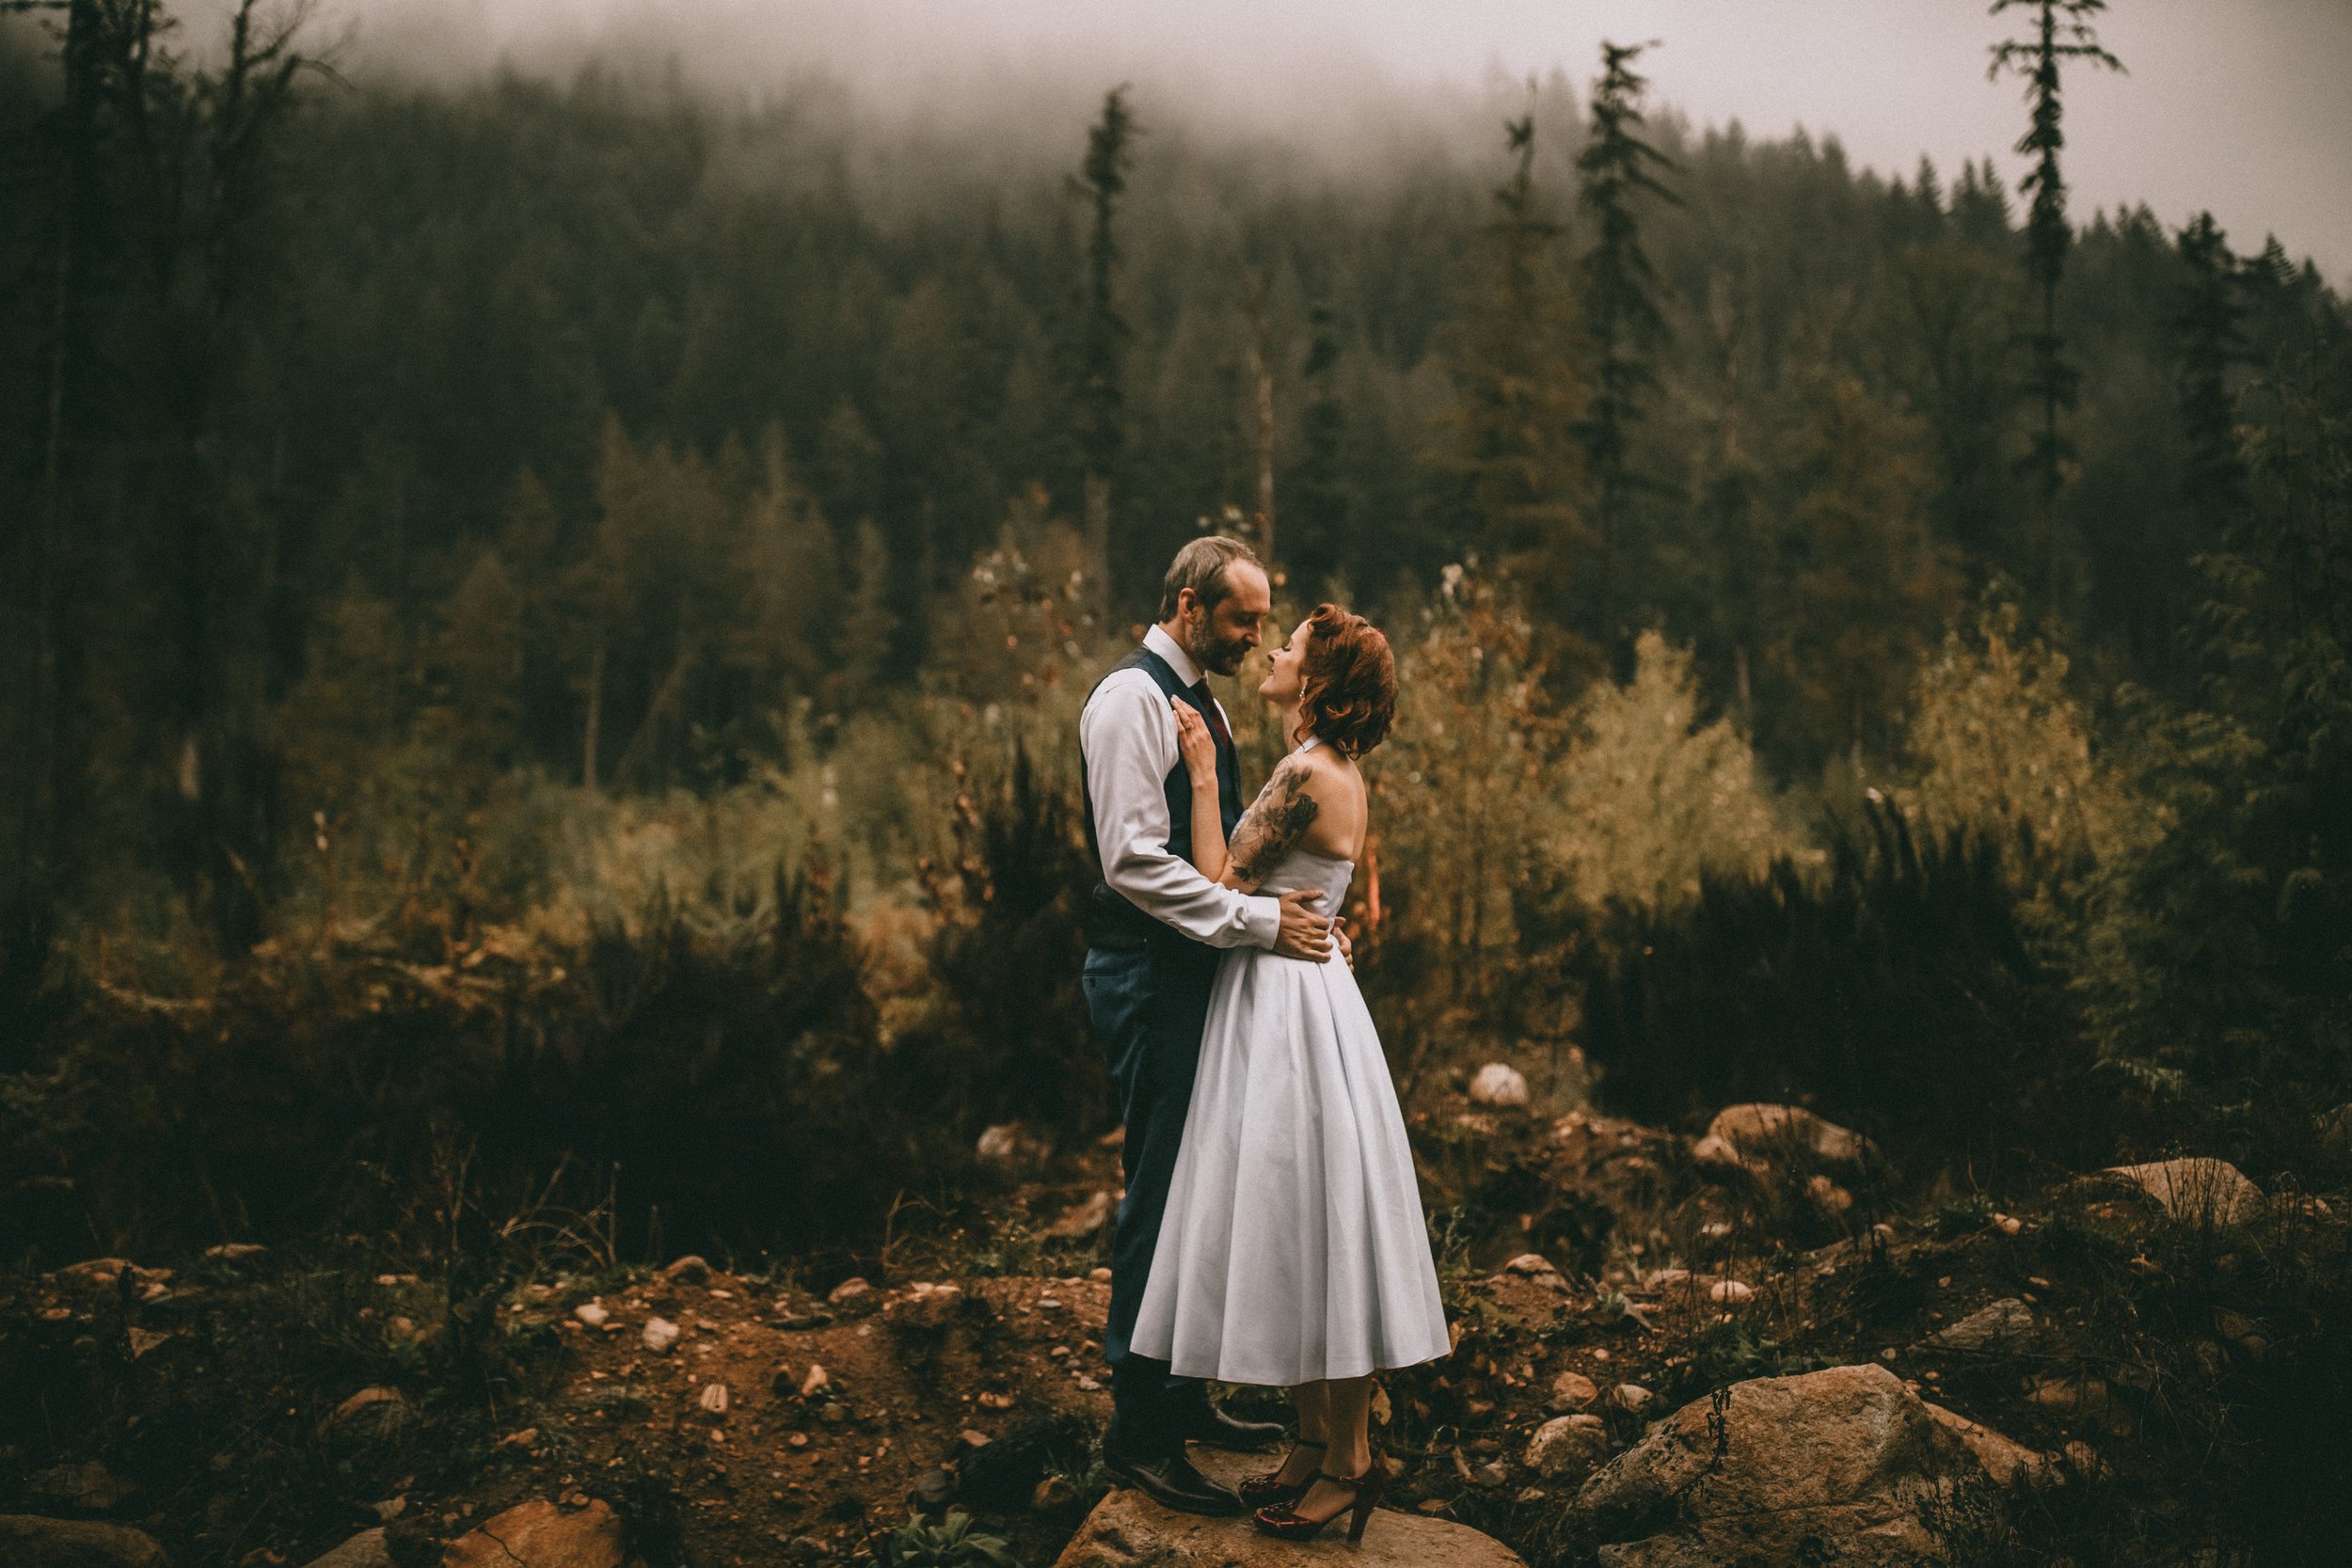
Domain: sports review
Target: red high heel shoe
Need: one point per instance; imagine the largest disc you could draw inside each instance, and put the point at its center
(1284, 1520)
(1260, 1491)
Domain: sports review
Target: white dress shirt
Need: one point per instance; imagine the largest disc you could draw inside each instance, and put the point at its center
(1127, 734)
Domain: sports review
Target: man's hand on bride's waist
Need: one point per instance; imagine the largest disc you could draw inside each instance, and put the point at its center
(1304, 933)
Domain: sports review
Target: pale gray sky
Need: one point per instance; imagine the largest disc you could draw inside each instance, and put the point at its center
(2242, 107)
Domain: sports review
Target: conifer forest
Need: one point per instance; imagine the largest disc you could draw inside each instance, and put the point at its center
(543, 619)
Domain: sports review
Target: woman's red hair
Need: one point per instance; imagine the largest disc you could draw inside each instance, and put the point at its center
(1347, 682)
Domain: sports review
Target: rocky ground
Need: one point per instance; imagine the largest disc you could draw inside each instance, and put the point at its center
(1685, 1351)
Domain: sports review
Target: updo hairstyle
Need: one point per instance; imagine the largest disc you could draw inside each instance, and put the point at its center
(1347, 683)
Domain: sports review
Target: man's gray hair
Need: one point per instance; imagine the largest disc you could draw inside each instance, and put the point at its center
(1201, 566)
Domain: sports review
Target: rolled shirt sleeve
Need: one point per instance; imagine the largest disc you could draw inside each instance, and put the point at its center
(1128, 738)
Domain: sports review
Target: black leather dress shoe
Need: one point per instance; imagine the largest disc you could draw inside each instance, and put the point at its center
(1171, 1481)
(1206, 1424)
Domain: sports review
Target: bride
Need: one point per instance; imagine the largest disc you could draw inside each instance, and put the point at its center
(1295, 1252)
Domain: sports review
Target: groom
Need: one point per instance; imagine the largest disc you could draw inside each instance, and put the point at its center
(1154, 925)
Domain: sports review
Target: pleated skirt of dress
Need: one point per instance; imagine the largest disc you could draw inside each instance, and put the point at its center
(1293, 1246)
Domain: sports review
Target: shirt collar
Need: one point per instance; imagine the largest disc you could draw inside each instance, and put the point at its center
(1157, 639)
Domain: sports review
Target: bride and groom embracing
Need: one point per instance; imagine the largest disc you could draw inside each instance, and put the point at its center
(1272, 1230)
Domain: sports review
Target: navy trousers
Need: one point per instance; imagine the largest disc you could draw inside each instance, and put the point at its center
(1148, 1008)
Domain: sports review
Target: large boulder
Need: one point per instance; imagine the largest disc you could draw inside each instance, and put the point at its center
(1843, 1466)
(29, 1541)
(1129, 1531)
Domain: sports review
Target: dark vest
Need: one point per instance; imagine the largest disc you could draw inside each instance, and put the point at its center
(1112, 922)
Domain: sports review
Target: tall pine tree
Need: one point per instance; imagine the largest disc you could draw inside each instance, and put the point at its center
(2207, 327)
(1102, 336)
(2062, 33)
(1621, 313)
(1520, 399)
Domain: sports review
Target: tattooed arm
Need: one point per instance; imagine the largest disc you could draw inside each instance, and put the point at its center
(1274, 822)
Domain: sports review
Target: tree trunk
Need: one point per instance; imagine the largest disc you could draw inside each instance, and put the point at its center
(1098, 530)
(1261, 374)
(595, 716)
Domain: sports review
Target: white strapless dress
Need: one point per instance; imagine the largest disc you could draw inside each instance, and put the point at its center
(1293, 1246)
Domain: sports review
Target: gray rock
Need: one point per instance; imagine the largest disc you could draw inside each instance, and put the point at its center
(29, 1541)
(1830, 1467)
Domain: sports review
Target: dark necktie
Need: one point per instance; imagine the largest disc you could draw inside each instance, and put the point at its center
(1216, 716)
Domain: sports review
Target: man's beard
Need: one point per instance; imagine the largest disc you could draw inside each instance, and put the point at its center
(1215, 654)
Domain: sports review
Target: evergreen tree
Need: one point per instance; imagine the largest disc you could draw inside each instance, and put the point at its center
(1103, 335)
(1321, 505)
(2207, 327)
(1520, 401)
(1621, 314)
(2062, 33)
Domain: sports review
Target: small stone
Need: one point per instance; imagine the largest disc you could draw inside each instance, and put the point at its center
(926, 1305)
(1632, 1398)
(1432, 1505)
(814, 1382)
(2084, 1460)
(1085, 1219)
(714, 1400)
(367, 1417)
(659, 1335)
(1530, 1495)
(853, 1296)
(1567, 1448)
(591, 1313)
(688, 1270)
(974, 1439)
(1499, 1084)
(1010, 1148)
(797, 1440)
(1052, 1493)
(88, 1486)
(1531, 1264)
(995, 1401)
(1088, 1385)
(1731, 1293)
(932, 1491)
(1099, 1273)
(522, 1439)
(367, 1550)
(2193, 1191)
(1573, 1391)
(2000, 1327)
